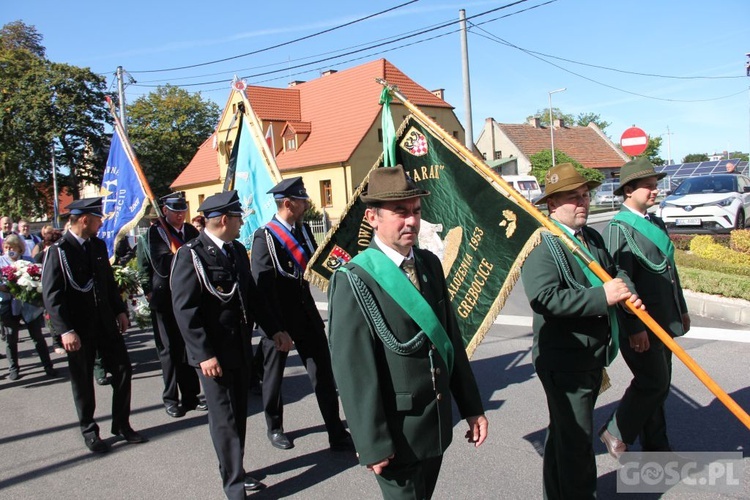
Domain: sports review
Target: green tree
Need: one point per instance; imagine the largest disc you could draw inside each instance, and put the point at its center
(543, 115)
(166, 127)
(44, 107)
(583, 120)
(738, 155)
(695, 157)
(652, 151)
(542, 162)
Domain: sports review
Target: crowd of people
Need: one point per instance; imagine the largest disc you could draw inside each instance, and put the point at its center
(393, 355)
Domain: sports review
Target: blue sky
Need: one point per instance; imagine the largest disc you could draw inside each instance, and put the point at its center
(511, 68)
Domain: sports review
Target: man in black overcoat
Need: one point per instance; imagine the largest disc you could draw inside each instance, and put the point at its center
(85, 307)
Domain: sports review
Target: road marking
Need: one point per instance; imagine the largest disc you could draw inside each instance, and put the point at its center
(696, 332)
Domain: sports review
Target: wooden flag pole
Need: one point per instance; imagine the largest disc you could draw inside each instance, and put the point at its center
(594, 266)
(173, 244)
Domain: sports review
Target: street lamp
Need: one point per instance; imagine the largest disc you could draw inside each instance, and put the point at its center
(551, 127)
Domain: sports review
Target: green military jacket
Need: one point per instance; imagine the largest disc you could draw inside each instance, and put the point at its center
(660, 291)
(571, 325)
(393, 405)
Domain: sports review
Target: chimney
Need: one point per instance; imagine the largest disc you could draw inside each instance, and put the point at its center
(294, 83)
(534, 121)
(328, 72)
(439, 93)
(558, 123)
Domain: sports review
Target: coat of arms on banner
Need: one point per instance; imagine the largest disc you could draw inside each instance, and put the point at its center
(414, 142)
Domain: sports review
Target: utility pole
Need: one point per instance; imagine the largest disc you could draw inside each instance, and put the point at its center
(551, 124)
(121, 92)
(469, 139)
(669, 146)
(55, 207)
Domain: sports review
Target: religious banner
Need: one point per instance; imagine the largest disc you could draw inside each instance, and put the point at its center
(480, 235)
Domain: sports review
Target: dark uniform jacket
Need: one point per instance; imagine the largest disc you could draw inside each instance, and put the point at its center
(660, 292)
(391, 403)
(209, 326)
(160, 256)
(288, 290)
(71, 309)
(571, 326)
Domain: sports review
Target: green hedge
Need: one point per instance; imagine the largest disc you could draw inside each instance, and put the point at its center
(705, 246)
(714, 283)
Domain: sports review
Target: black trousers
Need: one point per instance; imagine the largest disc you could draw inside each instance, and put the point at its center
(179, 377)
(13, 325)
(116, 361)
(313, 350)
(569, 469)
(414, 481)
(640, 413)
(226, 397)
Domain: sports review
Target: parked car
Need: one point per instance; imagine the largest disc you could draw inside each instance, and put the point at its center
(604, 194)
(527, 185)
(709, 203)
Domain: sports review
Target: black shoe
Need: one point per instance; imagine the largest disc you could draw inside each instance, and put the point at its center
(130, 435)
(175, 411)
(344, 443)
(50, 371)
(96, 444)
(199, 405)
(104, 380)
(279, 440)
(252, 484)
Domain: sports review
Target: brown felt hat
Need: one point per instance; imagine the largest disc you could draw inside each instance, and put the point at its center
(390, 184)
(640, 168)
(561, 178)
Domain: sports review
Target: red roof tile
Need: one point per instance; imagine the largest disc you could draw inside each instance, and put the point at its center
(340, 108)
(203, 168)
(583, 144)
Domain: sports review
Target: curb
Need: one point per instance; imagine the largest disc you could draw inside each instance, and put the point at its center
(735, 311)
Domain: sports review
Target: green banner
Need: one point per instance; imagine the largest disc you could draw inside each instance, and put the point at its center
(481, 236)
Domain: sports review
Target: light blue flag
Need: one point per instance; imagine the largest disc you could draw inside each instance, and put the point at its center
(123, 196)
(252, 181)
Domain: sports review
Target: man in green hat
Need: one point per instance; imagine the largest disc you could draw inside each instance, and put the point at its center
(397, 352)
(573, 320)
(641, 246)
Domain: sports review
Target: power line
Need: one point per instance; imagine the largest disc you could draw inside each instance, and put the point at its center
(498, 40)
(398, 38)
(307, 37)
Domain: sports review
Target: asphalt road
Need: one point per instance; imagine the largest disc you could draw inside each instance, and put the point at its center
(43, 456)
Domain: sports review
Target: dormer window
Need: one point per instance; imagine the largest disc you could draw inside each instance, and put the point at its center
(291, 144)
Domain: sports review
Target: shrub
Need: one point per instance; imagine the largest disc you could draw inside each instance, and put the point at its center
(705, 246)
(715, 283)
(740, 240)
(681, 241)
(688, 260)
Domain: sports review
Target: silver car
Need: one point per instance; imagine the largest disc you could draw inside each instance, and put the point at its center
(709, 203)
(604, 194)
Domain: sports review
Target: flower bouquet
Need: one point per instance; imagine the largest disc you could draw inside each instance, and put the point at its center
(24, 281)
(127, 282)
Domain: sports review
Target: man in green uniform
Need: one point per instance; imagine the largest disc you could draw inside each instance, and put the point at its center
(640, 245)
(573, 318)
(397, 353)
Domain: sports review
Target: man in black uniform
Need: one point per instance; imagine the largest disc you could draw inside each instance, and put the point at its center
(179, 376)
(84, 305)
(215, 303)
(280, 253)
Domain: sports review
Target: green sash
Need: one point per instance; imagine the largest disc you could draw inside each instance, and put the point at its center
(614, 337)
(650, 231)
(397, 285)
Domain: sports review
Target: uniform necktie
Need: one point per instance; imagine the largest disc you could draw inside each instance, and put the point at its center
(229, 251)
(408, 266)
(579, 237)
(86, 245)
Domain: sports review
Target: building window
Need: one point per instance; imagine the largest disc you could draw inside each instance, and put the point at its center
(326, 194)
(201, 197)
(484, 155)
(380, 135)
(498, 155)
(291, 144)
(455, 134)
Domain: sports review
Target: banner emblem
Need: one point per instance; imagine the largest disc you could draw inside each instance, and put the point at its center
(336, 258)
(415, 142)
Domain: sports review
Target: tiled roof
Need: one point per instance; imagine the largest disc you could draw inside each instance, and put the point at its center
(299, 127)
(340, 107)
(583, 144)
(203, 168)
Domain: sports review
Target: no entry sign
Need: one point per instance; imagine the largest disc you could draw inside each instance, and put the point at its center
(634, 141)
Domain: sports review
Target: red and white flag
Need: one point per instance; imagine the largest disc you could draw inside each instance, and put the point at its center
(269, 139)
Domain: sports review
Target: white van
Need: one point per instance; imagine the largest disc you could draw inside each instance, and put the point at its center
(527, 185)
